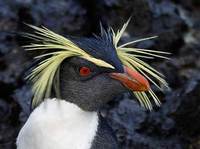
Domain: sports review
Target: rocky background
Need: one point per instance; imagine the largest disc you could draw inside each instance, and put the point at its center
(175, 125)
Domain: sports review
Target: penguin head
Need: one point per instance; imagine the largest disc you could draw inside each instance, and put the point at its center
(90, 72)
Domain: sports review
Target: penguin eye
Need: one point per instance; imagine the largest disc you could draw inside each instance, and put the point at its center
(84, 71)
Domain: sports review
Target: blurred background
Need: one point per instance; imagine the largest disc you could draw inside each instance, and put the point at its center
(175, 125)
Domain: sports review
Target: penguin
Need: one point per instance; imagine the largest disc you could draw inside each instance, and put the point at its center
(84, 74)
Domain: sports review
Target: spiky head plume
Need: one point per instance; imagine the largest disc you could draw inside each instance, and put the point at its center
(131, 58)
(45, 76)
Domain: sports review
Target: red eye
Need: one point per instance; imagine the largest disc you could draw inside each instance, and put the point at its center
(84, 71)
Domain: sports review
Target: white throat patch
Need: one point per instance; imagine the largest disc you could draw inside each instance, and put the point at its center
(57, 124)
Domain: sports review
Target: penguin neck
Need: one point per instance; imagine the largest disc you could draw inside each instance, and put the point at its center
(56, 124)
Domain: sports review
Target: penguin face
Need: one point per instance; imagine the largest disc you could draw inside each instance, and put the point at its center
(89, 86)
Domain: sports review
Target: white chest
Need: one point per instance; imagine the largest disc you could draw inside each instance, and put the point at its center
(57, 124)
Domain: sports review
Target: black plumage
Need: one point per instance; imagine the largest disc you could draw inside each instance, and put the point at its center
(105, 138)
(101, 47)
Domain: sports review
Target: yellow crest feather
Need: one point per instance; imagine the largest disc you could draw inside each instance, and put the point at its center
(43, 76)
(130, 57)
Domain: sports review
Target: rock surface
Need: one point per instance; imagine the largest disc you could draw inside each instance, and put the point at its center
(175, 125)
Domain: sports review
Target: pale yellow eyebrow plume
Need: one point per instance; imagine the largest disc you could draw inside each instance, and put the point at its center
(131, 57)
(46, 74)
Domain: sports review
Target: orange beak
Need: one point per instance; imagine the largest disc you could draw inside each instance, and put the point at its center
(132, 80)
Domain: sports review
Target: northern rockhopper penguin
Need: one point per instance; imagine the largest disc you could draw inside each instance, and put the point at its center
(74, 79)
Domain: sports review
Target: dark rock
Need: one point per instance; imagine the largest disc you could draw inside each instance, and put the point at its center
(162, 18)
(137, 128)
(8, 16)
(61, 16)
(16, 62)
(23, 97)
(5, 110)
(8, 124)
(187, 115)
